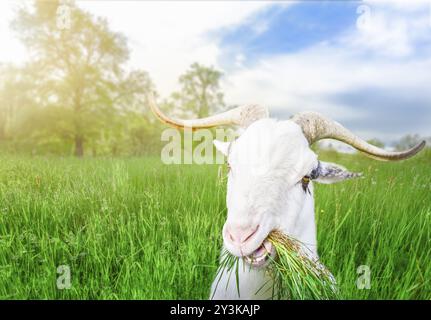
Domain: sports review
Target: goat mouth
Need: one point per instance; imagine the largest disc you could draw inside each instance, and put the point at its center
(262, 255)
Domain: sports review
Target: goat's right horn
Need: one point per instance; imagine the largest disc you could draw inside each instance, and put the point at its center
(242, 116)
(316, 126)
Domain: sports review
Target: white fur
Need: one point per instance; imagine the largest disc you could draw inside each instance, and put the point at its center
(267, 164)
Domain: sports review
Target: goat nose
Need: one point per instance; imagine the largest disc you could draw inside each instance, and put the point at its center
(240, 234)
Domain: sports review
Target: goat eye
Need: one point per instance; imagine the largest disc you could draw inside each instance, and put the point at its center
(304, 183)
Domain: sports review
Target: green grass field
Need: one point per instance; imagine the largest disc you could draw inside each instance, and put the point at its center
(138, 229)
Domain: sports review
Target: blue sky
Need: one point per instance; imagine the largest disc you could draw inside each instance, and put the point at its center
(364, 63)
(291, 29)
(366, 79)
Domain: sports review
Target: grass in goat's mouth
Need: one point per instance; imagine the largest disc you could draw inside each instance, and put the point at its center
(261, 255)
(294, 275)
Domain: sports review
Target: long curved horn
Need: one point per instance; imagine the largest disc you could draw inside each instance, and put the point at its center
(242, 116)
(316, 126)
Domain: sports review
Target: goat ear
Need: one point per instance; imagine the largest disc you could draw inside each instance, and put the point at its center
(221, 146)
(330, 173)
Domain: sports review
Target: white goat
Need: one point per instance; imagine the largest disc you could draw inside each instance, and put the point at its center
(269, 186)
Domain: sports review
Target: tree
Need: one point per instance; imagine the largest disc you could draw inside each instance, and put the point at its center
(200, 91)
(82, 82)
(132, 126)
(7, 99)
(408, 141)
(16, 93)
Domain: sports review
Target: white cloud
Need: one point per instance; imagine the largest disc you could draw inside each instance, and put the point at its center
(383, 57)
(239, 60)
(167, 36)
(391, 28)
(400, 5)
(386, 36)
(260, 27)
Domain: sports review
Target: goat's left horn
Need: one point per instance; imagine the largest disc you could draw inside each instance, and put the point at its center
(316, 126)
(242, 116)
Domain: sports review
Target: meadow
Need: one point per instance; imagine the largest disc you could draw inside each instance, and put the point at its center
(134, 228)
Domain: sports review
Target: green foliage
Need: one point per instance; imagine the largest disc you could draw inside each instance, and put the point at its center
(135, 228)
(408, 141)
(80, 92)
(200, 93)
(75, 95)
(16, 98)
(295, 275)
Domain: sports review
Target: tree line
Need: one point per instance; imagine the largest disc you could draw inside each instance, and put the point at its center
(75, 94)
